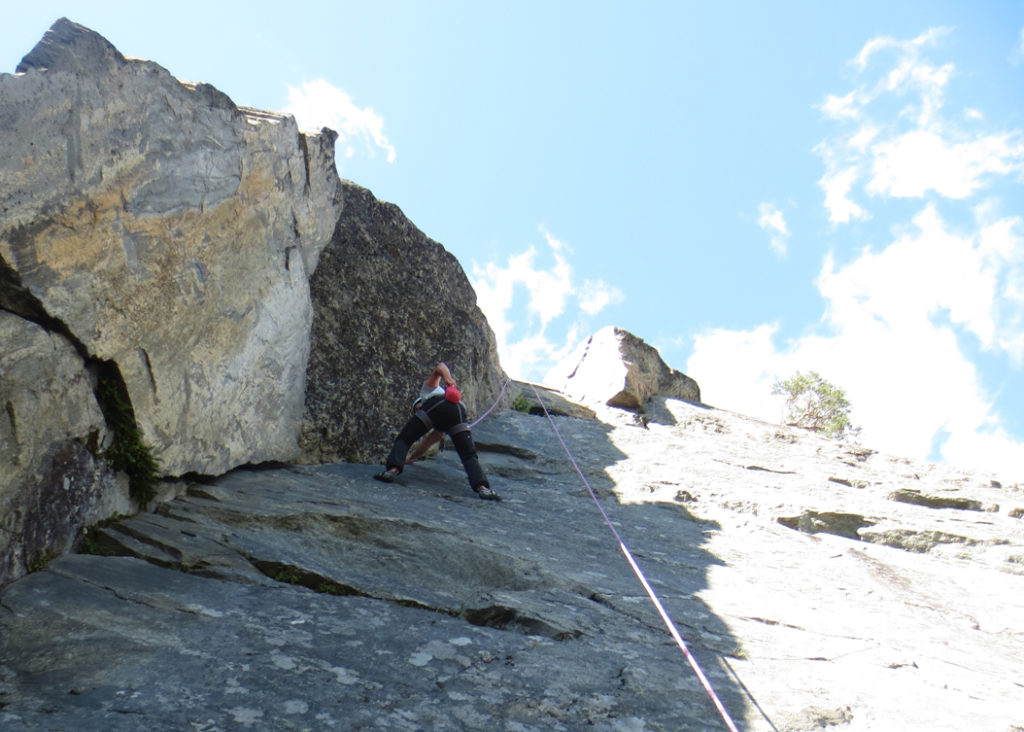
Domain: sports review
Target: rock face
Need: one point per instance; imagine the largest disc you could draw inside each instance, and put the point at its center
(311, 597)
(157, 238)
(170, 233)
(388, 304)
(616, 368)
(51, 484)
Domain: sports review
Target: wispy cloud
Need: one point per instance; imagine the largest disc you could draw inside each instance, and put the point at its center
(917, 151)
(527, 342)
(837, 184)
(770, 219)
(844, 107)
(906, 48)
(897, 317)
(596, 295)
(318, 104)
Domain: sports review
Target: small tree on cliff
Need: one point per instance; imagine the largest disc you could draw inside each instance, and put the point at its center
(815, 404)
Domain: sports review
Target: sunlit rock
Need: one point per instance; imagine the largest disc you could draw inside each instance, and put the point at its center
(616, 368)
(169, 232)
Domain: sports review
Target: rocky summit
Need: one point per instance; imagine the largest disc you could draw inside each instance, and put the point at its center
(818, 585)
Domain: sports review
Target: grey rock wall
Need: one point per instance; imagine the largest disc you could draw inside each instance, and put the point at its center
(388, 304)
(167, 239)
(170, 233)
(51, 482)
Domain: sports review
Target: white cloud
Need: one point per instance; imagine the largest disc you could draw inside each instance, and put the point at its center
(318, 104)
(555, 243)
(915, 153)
(907, 48)
(837, 184)
(596, 295)
(550, 289)
(1001, 243)
(895, 318)
(932, 272)
(901, 322)
(736, 370)
(841, 107)
(526, 346)
(770, 219)
(524, 358)
(862, 138)
(911, 165)
(889, 338)
(994, 446)
(930, 82)
(872, 47)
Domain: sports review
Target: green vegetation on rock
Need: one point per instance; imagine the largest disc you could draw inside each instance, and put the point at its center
(127, 451)
(818, 405)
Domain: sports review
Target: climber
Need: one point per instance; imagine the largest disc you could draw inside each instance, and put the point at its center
(439, 408)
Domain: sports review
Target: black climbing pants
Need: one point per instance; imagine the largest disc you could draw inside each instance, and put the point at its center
(445, 415)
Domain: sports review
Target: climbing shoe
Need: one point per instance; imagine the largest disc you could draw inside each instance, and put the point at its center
(386, 476)
(486, 493)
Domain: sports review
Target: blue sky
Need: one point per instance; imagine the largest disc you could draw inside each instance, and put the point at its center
(753, 188)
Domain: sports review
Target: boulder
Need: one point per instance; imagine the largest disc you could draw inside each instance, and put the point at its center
(538, 400)
(388, 304)
(51, 483)
(166, 231)
(616, 368)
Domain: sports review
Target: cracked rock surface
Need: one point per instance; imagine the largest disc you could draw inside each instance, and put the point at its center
(812, 593)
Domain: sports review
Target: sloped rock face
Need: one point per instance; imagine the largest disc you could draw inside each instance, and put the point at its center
(388, 303)
(51, 484)
(616, 368)
(170, 233)
(313, 597)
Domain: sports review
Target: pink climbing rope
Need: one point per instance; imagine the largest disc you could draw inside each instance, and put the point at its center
(491, 408)
(632, 562)
(643, 580)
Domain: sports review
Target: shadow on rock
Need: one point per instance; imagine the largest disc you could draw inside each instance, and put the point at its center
(282, 598)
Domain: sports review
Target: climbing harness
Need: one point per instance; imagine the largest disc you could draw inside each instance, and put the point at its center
(424, 416)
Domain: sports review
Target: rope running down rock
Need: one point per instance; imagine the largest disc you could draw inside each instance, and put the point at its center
(643, 580)
(632, 562)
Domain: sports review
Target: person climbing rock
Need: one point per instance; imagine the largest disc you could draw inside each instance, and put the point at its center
(439, 408)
